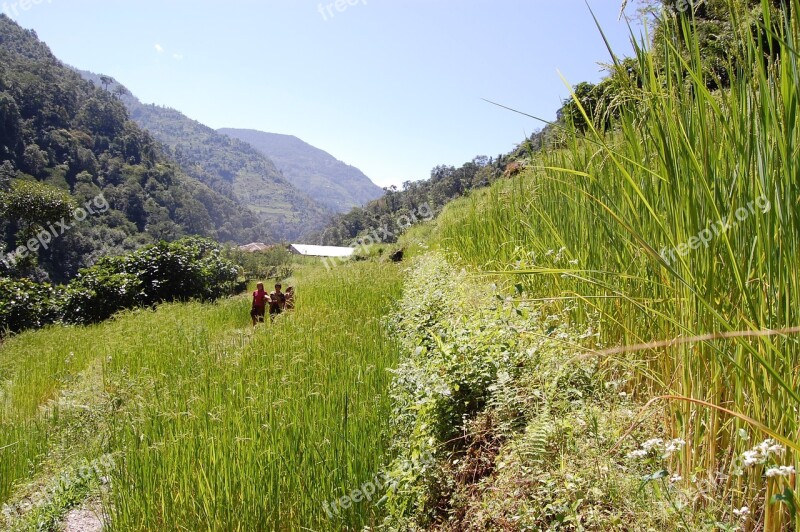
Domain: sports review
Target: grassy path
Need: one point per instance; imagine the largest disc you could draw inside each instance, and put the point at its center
(210, 424)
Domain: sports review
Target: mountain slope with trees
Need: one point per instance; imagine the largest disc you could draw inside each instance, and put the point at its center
(229, 166)
(64, 140)
(329, 181)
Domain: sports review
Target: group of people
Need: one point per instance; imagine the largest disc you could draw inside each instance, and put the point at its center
(277, 300)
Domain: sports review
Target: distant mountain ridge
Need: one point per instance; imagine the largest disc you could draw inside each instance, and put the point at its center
(329, 181)
(64, 139)
(227, 165)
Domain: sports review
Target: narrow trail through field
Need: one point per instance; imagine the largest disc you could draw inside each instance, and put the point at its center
(84, 520)
(188, 415)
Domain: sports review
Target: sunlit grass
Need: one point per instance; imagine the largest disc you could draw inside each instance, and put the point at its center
(589, 224)
(215, 425)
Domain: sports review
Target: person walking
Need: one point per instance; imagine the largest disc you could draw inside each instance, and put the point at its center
(259, 308)
(277, 302)
(289, 299)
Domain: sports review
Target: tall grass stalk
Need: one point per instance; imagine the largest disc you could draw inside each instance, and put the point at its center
(682, 157)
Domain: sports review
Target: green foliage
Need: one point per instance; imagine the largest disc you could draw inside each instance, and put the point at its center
(99, 292)
(32, 203)
(715, 32)
(193, 268)
(461, 345)
(584, 107)
(25, 304)
(520, 429)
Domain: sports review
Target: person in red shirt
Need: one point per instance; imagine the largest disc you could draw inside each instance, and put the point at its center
(259, 305)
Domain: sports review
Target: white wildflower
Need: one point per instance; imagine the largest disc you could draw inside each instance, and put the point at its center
(675, 478)
(761, 452)
(776, 449)
(742, 512)
(673, 447)
(638, 453)
(655, 442)
(750, 458)
(574, 262)
(782, 471)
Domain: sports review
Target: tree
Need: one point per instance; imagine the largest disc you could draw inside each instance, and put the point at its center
(9, 126)
(580, 109)
(29, 207)
(120, 91)
(106, 81)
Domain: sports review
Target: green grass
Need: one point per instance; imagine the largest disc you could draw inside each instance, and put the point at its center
(587, 225)
(212, 424)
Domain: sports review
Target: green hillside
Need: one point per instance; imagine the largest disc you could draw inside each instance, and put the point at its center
(68, 136)
(648, 273)
(329, 181)
(229, 166)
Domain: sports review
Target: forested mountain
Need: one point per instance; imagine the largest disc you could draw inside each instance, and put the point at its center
(389, 215)
(229, 166)
(327, 180)
(65, 142)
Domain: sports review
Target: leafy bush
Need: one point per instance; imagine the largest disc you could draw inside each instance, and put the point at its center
(192, 268)
(521, 431)
(25, 304)
(462, 346)
(98, 293)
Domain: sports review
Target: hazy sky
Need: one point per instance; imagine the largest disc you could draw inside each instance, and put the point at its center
(393, 87)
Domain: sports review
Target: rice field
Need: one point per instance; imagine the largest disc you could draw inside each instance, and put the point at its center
(679, 230)
(213, 425)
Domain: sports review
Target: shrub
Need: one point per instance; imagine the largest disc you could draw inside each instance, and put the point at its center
(192, 268)
(25, 304)
(99, 293)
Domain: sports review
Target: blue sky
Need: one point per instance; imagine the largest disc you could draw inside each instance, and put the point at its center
(393, 87)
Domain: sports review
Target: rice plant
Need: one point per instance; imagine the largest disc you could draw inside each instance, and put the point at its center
(212, 424)
(680, 228)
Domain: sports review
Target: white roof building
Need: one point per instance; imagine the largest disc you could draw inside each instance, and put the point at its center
(320, 251)
(255, 246)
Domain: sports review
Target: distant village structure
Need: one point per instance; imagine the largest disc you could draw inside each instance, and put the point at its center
(321, 251)
(255, 246)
